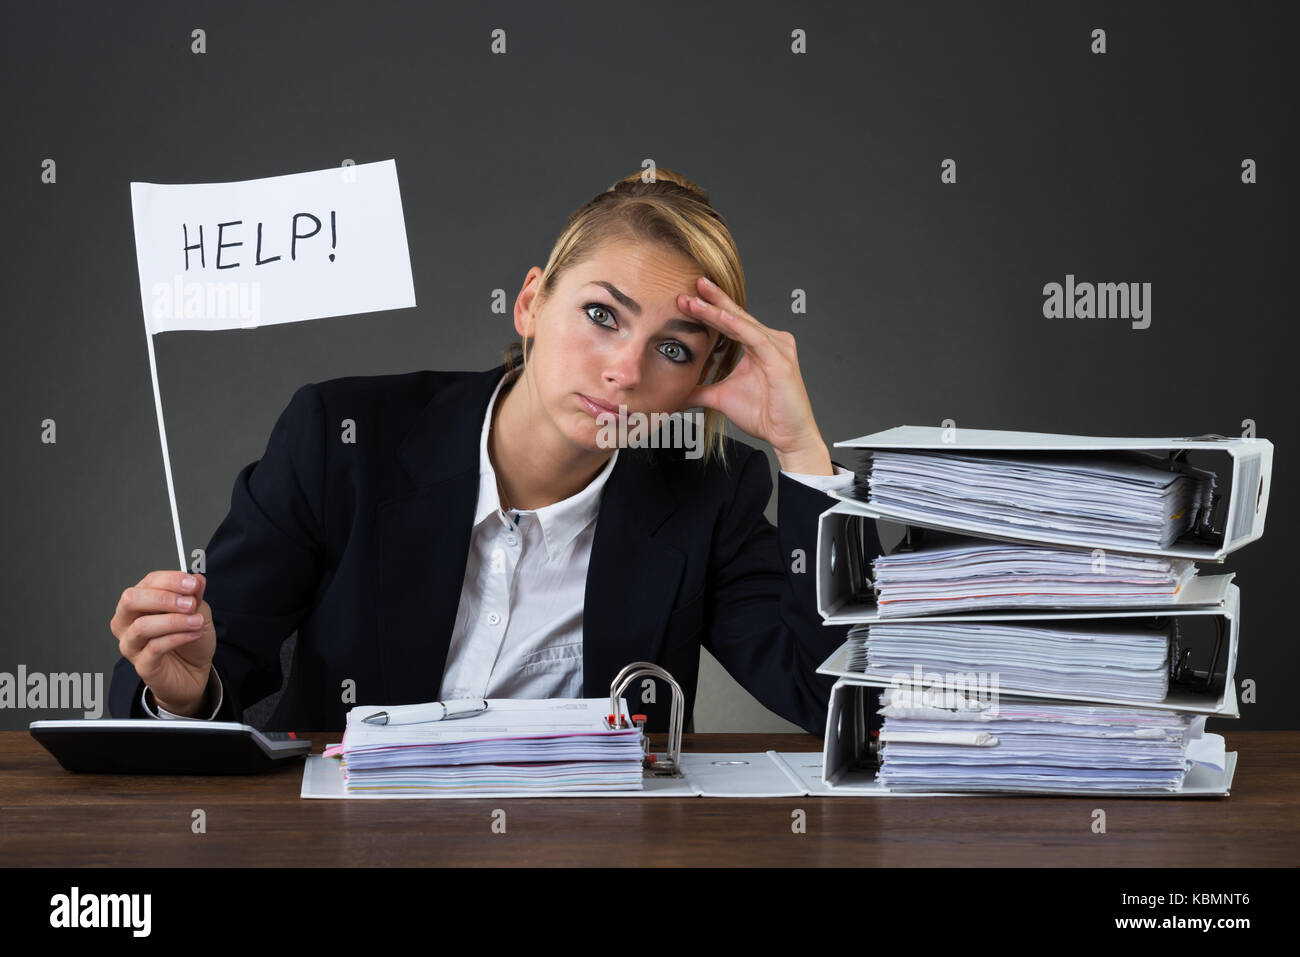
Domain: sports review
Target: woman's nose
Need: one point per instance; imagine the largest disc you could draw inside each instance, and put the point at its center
(623, 368)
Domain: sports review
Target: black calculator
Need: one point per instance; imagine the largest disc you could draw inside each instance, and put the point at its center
(153, 746)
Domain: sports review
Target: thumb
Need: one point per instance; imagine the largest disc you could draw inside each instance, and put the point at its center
(706, 396)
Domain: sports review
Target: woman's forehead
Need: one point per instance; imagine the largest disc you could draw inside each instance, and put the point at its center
(633, 259)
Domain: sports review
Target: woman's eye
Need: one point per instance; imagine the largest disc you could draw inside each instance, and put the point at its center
(682, 355)
(595, 305)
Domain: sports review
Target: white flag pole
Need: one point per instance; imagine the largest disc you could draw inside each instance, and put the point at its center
(162, 435)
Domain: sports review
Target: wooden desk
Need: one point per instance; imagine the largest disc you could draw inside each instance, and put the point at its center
(49, 816)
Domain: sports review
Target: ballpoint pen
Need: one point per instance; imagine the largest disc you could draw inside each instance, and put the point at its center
(421, 713)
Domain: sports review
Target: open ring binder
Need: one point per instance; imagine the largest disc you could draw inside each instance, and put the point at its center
(669, 764)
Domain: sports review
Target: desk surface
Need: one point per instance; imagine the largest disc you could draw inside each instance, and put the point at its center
(49, 816)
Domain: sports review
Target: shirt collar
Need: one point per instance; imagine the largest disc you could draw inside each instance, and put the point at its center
(561, 521)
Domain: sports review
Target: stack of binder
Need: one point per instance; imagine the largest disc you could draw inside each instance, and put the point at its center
(1042, 627)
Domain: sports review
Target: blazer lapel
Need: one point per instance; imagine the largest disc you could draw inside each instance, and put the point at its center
(633, 578)
(423, 539)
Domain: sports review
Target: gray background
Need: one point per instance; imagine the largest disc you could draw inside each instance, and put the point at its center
(924, 299)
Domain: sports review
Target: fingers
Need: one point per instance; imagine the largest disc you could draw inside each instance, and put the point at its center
(175, 583)
(162, 603)
(720, 312)
(714, 295)
(171, 580)
(142, 633)
(747, 333)
(147, 661)
(141, 600)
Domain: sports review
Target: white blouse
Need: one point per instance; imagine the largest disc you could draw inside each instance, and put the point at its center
(518, 631)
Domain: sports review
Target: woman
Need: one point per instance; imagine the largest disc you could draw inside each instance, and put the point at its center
(437, 535)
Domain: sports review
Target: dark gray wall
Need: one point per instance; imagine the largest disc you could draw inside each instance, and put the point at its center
(924, 299)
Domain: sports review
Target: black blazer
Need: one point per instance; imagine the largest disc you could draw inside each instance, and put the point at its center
(362, 548)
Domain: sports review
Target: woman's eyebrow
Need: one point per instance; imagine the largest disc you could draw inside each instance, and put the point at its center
(620, 295)
(688, 326)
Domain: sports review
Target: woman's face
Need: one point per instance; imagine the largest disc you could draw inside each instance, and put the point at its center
(611, 332)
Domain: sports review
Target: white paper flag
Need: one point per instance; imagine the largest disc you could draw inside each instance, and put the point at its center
(263, 251)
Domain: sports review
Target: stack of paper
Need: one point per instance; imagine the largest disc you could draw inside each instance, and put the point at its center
(1099, 657)
(979, 575)
(1117, 499)
(1027, 746)
(543, 745)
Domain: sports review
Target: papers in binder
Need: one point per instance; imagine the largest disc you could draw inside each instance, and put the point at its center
(846, 594)
(1118, 499)
(971, 575)
(1110, 658)
(1038, 745)
(546, 745)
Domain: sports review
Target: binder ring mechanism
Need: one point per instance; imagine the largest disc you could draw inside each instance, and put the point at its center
(663, 765)
(1205, 529)
(1180, 667)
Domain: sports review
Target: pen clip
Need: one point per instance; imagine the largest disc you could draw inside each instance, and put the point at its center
(463, 707)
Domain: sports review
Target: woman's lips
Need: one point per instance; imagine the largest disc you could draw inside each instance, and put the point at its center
(597, 408)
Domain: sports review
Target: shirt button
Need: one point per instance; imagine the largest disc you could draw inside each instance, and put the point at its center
(511, 540)
(494, 619)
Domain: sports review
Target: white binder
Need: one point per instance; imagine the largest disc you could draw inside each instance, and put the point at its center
(670, 774)
(848, 766)
(1222, 703)
(843, 597)
(749, 775)
(1247, 493)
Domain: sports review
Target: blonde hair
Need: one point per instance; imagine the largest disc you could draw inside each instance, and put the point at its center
(674, 212)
